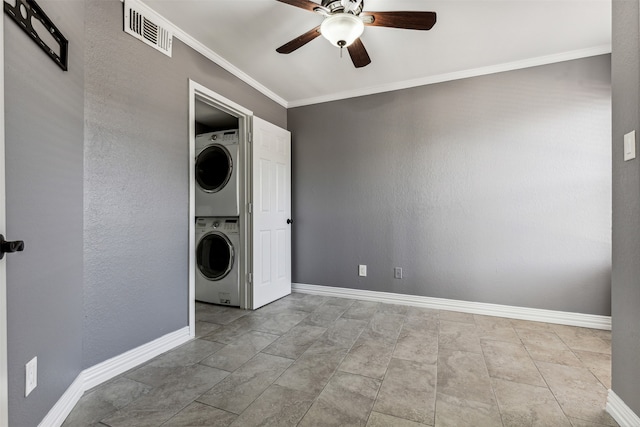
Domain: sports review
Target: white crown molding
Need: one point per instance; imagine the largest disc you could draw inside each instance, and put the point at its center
(620, 411)
(214, 57)
(492, 69)
(522, 313)
(102, 372)
(498, 68)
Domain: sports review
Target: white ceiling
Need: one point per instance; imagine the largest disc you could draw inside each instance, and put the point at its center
(470, 37)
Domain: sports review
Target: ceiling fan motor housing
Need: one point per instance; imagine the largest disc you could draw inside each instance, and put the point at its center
(339, 6)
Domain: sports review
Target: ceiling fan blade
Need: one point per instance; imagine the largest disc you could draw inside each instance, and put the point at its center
(299, 41)
(358, 54)
(406, 20)
(304, 4)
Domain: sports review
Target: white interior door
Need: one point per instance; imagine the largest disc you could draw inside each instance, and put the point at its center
(4, 417)
(271, 228)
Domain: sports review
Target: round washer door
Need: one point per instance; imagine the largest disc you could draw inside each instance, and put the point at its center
(213, 168)
(215, 255)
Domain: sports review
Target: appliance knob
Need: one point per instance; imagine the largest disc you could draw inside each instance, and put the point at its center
(216, 224)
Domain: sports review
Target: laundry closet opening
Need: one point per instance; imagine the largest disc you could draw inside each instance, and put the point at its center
(218, 221)
(239, 205)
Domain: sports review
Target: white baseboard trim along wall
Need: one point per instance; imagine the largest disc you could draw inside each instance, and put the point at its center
(108, 369)
(523, 313)
(621, 412)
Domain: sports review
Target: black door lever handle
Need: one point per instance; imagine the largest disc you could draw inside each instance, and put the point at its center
(10, 247)
(289, 220)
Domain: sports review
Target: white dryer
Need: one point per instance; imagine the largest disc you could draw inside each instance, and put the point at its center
(218, 266)
(217, 184)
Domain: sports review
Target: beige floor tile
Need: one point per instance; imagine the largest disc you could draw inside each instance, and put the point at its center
(459, 336)
(277, 407)
(454, 412)
(582, 339)
(295, 342)
(199, 415)
(368, 357)
(312, 371)
(419, 344)
(496, 328)
(553, 355)
(578, 392)
(408, 391)
(345, 401)
(464, 375)
(237, 391)
(376, 419)
(324, 316)
(528, 405)
(455, 316)
(510, 361)
(362, 310)
(599, 364)
(530, 325)
(234, 355)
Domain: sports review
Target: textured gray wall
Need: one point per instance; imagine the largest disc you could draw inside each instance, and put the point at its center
(625, 279)
(44, 139)
(136, 181)
(492, 189)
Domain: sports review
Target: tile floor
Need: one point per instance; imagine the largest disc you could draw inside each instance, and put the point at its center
(310, 360)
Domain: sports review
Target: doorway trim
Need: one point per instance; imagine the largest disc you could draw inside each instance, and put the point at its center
(245, 118)
(4, 383)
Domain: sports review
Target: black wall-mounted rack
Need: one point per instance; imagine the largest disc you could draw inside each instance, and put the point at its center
(23, 12)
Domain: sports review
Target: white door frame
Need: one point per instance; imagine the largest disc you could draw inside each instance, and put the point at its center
(4, 392)
(201, 93)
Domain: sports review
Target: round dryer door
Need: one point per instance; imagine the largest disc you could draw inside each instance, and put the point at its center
(215, 255)
(213, 168)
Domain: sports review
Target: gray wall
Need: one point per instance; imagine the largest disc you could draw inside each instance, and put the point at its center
(97, 161)
(44, 140)
(136, 181)
(625, 280)
(492, 189)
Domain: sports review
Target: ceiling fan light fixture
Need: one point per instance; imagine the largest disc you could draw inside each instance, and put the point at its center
(341, 29)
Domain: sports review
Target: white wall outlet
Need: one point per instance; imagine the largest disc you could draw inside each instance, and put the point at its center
(630, 146)
(397, 272)
(362, 270)
(31, 376)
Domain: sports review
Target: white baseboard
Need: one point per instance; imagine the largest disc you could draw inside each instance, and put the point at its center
(524, 313)
(65, 404)
(98, 374)
(115, 366)
(621, 412)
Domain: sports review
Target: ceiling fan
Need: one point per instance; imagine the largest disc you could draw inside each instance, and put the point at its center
(344, 22)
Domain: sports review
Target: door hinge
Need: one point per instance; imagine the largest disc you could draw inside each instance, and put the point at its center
(250, 278)
(250, 207)
(250, 137)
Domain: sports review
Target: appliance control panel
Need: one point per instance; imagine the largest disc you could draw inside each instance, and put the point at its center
(228, 225)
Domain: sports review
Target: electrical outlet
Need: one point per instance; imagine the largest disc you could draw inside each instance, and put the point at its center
(362, 270)
(31, 376)
(397, 272)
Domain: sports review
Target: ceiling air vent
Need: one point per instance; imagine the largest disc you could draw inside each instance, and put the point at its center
(145, 25)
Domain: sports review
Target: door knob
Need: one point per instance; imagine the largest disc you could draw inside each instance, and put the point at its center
(289, 220)
(9, 247)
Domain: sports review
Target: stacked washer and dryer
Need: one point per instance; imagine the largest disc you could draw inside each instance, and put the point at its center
(217, 217)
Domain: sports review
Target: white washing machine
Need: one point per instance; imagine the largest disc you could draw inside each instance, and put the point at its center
(217, 260)
(217, 184)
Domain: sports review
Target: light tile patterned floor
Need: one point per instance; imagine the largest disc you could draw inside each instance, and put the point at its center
(319, 361)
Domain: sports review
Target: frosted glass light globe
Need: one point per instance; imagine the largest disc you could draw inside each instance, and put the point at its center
(341, 29)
